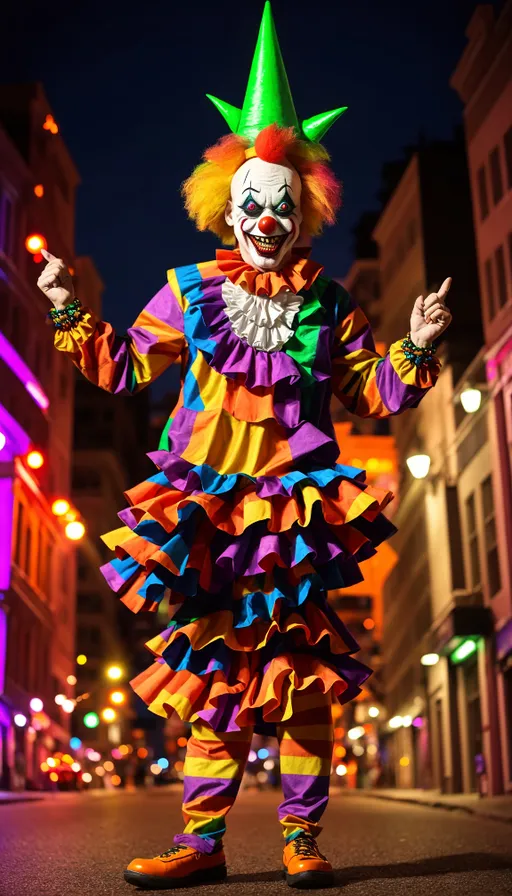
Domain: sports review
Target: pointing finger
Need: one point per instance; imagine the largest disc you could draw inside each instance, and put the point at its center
(443, 291)
(48, 255)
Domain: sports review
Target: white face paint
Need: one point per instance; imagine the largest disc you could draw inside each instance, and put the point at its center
(264, 212)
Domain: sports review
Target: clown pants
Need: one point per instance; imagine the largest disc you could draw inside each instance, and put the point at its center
(215, 764)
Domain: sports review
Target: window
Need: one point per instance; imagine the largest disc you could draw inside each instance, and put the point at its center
(473, 541)
(491, 305)
(507, 143)
(482, 193)
(501, 276)
(6, 216)
(20, 528)
(491, 547)
(496, 178)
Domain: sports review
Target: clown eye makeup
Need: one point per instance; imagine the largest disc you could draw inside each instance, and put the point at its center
(285, 207)
(251, 207)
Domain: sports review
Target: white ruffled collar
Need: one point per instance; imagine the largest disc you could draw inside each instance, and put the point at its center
(264, 323)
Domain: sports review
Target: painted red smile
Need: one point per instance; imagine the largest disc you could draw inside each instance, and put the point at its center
(267, 245)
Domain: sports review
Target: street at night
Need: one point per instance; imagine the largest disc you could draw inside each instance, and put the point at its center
(256, 448)
(75, 846)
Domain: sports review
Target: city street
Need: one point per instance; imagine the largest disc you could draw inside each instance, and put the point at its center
(74, 845)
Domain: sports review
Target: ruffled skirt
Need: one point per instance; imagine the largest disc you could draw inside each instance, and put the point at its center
(246, 564)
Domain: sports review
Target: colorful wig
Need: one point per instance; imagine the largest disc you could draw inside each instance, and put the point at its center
(208, 188)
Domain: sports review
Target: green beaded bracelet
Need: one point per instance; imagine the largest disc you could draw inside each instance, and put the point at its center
(416, 353)
(67, 318)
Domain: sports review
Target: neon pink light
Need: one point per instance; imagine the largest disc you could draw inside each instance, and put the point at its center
(37, 394)
(17, 440)
(15, 362)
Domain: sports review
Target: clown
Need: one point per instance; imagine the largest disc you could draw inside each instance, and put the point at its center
(249, 520)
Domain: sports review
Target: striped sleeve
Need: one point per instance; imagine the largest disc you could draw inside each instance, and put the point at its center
(126, 364)
(367, 384)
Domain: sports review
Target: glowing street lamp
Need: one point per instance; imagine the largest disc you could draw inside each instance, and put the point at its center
(471, 399)
(419, 465)
(60, 507)
(75, 530)
(20, 720)
(114, 673)
(117, 697)
(108, 714)
(34, 243)
(374, 712)
(81, 659)
(35, 460)
(429, 659)
(36, 704)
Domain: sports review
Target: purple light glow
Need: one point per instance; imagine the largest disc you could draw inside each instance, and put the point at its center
(10, 356)
(418, 722)
(3, 656)
(6, 507)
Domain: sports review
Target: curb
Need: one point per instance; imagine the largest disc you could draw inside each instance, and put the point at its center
(434, 804)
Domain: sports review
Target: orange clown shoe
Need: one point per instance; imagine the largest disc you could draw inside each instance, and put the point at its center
(179, 866)
(304, 865)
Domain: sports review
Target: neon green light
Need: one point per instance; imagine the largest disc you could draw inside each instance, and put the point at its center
(465, 649)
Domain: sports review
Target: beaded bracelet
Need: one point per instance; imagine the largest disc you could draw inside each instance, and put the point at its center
(416, 353)
(67, 318)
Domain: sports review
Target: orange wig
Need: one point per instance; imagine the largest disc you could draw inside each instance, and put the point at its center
(208, 188)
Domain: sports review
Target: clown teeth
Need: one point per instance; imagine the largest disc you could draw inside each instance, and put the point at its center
(267, 245)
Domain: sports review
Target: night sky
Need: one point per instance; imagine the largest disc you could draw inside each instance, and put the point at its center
(127, 84)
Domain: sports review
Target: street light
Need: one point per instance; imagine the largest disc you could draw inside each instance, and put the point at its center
(419, 465)
(395, 722)
(114, 673)
(429, 659)
(60, 506)
(75, 530)
(374, 712)
(471, 399)
(36, 704)
(117, 697)
(35, 459)
(108, 714)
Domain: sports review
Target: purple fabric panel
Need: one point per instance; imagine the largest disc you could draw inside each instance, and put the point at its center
(224, 717)
(205, 845)
(112, 577)
(308, 440)
(305, 796)
(143, 339)
(181, 430)
(195, 787)
(396, 395)
(126, 516)
(164, 305)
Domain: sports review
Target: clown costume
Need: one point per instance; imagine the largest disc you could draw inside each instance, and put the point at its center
(249, 520)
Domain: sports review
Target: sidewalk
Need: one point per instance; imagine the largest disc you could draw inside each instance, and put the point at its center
(24, 796)
(499, 808)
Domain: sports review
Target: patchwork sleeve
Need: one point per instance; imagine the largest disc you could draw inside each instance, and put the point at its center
(126, 364)
(367, 384)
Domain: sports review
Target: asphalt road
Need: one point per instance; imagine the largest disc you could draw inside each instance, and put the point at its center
(78, 846)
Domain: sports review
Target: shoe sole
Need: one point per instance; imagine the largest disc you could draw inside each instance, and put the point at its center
(310, 880)
(152, 882)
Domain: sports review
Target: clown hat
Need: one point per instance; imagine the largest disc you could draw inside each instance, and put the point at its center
(268, 98)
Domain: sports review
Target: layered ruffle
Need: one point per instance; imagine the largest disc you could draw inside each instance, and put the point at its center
(246, 563)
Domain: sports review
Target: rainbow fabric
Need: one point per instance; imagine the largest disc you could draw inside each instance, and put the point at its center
(215, 764)
(249, 520)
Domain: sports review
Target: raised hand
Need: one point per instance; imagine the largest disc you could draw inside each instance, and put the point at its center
(431, 316)
(55, 281)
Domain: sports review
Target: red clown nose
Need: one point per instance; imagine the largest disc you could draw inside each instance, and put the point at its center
(267, 225)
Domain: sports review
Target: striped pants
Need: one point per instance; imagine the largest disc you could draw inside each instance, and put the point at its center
(215, 764)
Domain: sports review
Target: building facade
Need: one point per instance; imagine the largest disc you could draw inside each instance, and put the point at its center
(442, 717)
(37, 563)
(483, 80)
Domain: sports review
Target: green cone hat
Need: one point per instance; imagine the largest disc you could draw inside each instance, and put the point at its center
(268, 99)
